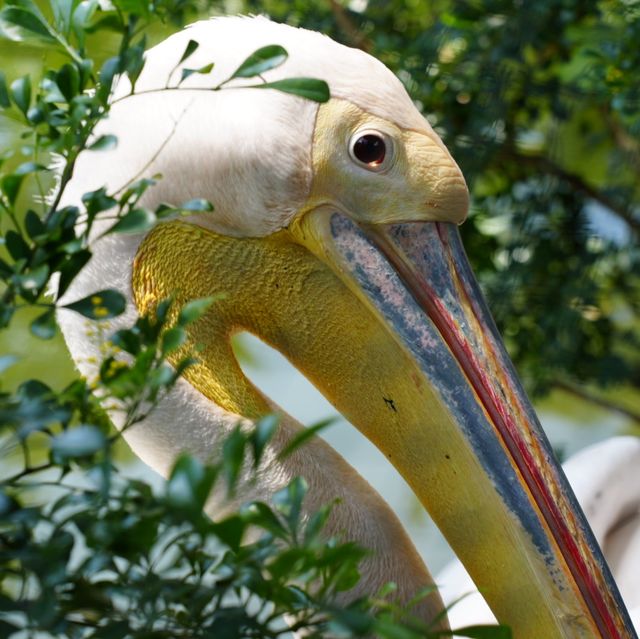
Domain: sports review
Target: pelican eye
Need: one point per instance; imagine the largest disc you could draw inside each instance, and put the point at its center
(371, 149)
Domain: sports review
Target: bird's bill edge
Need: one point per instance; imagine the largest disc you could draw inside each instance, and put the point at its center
(416, 278)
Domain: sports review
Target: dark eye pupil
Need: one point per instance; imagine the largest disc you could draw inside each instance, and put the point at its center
(370, 149)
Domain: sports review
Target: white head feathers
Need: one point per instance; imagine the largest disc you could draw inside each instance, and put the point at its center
(248, 153)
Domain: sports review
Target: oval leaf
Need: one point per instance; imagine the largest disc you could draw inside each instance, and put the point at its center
(20, 23)
(260, 61)
(173, 339)
(101, 305)
(134, 222)
(309, 88)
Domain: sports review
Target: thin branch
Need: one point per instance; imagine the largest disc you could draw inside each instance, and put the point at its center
(346, 25)
(592, 398)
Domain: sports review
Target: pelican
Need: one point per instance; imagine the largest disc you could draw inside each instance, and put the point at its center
(334, 238)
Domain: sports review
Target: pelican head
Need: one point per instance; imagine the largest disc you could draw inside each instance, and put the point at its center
(334, 238)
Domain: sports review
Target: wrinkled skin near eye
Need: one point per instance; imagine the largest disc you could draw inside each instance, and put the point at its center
(371, 150)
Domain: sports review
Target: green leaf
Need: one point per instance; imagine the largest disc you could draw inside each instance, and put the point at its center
(98, 201)
(260, 514)
(82, 18)
(80, 441)
(315, 90)
(134, 221)
(15, 20)
(304, 436)
(484, 632)
(44, 326)
(51, 93)
(10, 185)
(68, 81)
(233, 456)
(189, 484)
(70, 268)
(189, 50)
(262, 435)
(104, 143)
(289, 501)
(128, 340)
(106, 76)
(35, 279)
(260, 61)
(5, 102)
(173, 339)
(194, 310)
(185, 73)
(29, 167)
(197, 205)
(33, 224)
(231, 531)
(21, 93)
(101, 305)
(62, 13)
(17, 247)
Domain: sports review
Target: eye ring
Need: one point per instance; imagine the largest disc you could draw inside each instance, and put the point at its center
(372, 150)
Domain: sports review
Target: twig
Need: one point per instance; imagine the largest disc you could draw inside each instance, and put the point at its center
(356, 38)
(592, 398)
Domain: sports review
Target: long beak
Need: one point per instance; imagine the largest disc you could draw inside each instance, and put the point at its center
(463, 433)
